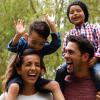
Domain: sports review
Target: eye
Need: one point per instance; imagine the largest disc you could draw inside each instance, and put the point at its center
(28, 64)
(33, 42)
(37, 64)
(42, 44)
(71, 12)
(70, 52)
(78, 10)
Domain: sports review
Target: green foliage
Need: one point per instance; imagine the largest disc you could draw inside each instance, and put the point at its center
(29, 10)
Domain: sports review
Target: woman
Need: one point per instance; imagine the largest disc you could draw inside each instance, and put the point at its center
(29, 67)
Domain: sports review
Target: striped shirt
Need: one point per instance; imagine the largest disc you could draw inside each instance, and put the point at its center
(91, 31)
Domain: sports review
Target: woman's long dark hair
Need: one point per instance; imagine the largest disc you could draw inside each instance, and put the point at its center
(17, 61)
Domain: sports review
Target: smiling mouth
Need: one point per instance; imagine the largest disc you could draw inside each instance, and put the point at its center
(68, 62)
(32, 74)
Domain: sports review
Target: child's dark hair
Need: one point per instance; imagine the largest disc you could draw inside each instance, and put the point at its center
(83, 7)
(85, 46)
(40, 27)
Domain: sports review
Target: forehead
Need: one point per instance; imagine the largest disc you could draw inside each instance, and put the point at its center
(36, 36)
(72, 46)
(73, 7)
(32, 57)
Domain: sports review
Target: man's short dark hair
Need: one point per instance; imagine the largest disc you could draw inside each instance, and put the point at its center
(85, 46)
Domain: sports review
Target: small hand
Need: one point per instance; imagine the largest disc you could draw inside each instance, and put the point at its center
(20, 28)
(98, 96)
(49, 19)
(51, 22)
(93, 61)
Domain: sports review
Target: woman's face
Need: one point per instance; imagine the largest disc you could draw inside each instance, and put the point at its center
(76, 15)
(30, 69)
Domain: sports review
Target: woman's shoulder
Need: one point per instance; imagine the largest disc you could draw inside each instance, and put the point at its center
(3, 96)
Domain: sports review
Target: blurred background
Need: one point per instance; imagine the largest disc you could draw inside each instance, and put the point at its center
(30, 10)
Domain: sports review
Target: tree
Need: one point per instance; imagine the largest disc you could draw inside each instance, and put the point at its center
(29, 10)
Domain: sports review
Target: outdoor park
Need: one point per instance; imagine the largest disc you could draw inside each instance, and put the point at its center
(29, 10)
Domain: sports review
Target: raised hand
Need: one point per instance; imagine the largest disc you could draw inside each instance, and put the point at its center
(20, 27)
(51, 22)
(20, 31)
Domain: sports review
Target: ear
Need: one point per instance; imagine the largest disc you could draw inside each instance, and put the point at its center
(85, 57)
(42, 71)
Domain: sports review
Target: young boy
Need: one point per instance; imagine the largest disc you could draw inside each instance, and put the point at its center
(77, 13)
(37, 40)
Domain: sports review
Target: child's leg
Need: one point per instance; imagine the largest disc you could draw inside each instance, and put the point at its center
(45, 85)
(12, 91)
(13, 87)
(60, 75)
(54, 87)
(95, 71)
(41, 82)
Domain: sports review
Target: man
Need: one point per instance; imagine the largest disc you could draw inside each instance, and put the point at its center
(78, 84)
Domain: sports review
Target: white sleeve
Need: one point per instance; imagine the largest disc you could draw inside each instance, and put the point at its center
(2, 96)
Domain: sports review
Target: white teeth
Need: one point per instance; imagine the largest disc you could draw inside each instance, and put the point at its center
(32, 74)
(68, 62)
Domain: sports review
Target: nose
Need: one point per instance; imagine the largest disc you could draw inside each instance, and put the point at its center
(37, 47)
(33, 67)
(75, 12)
(66, 55)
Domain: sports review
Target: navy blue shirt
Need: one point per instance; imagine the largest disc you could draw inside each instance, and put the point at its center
(46, 50)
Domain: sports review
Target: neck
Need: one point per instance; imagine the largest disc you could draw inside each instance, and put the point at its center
(28, 90)
(84, 72)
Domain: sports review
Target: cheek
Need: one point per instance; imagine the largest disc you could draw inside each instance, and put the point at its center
(70, 17)
(83, 16)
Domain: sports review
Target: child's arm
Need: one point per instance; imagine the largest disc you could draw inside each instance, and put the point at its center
(55, 41)
(51, 23)
(19, 31)
(12, 92)
(19, 42)
(54, 87)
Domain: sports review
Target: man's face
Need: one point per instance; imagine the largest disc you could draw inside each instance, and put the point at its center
(73, 57)
(35, 41)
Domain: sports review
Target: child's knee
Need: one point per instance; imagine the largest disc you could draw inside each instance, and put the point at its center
(14, 88)
(54, 85)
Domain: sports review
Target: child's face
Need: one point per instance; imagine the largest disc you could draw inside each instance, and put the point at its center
(76, 15)
(30, 69)
(35, 41)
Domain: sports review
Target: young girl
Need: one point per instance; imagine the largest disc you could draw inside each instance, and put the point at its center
(78, 15)
(29, 67)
